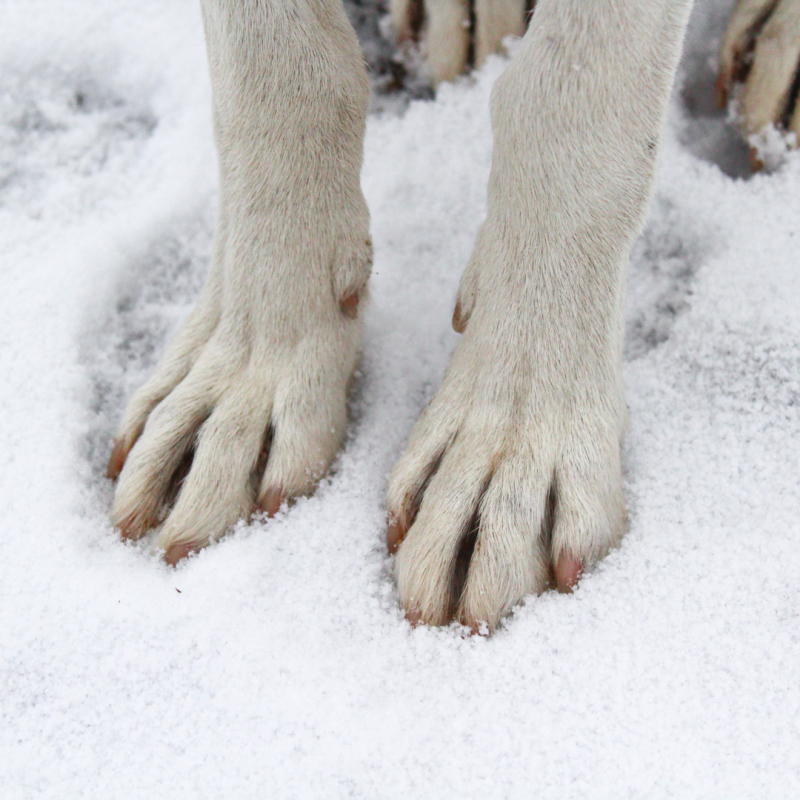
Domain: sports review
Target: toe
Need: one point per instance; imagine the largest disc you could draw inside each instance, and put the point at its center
(218, 490)
(430, 438)
(181, 355)
(414, 617)
(433, 557)
(309, 426)
(493, 22)
(145, 481)
(509, 559)
(406, 19)
(777, 53)
(744, 23)
(447, 38)
(589, 514)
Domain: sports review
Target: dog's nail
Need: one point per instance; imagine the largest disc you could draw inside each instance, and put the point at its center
(459, 324)
(568, 573)
(414, 617)
(479, 629)
(272, 501)
(395, 534)
(177, 552)
(721, 90)
(756, 162)
(134, 527)
(117, 460)
(349, 305)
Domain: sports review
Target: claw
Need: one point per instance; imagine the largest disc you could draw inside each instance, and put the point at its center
(756, 162)
(459, 323)
(272, 501)
(349, 305)
(117, 460)
(135, 526)
(177, 552)
(721, 90)
(568, 573)
(414, 617)
(395, 534)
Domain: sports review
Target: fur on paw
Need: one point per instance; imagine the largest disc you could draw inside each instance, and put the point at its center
(506, 487)
(247, 408)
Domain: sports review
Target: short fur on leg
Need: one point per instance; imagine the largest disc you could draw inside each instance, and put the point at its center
(515, 464)
(256, 379)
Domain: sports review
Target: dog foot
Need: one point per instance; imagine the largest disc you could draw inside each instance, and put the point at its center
(511, 479)
(457, 34)
(761, 50)
(247, 408)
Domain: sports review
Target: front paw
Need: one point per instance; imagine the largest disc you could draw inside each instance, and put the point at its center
(242, 431)
(247, 409)
(506, 487)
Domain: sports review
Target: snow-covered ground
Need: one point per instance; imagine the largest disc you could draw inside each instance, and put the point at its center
(276, 664)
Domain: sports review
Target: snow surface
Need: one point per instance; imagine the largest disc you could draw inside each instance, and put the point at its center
(276, 664)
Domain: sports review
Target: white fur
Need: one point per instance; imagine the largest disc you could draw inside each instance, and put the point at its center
(268, 343)
(532, 399)
(520, 446)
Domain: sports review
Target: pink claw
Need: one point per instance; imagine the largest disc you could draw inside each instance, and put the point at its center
(272, 501)
(177, 552)
(568, 573)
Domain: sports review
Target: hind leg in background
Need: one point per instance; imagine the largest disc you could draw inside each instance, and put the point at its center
(457, 34)
(511, 478)
(247, 407)
(761, 49)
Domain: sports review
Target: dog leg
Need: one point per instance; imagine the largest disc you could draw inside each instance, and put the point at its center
(251, 394)
(511, 477)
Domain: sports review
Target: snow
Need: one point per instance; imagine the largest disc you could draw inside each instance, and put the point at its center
(277, 663)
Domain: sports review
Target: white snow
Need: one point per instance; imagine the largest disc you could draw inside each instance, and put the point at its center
(276, 664)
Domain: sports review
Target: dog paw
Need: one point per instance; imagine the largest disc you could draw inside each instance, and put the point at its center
(511, 479)
(761, 51)
(457, 34)
(247, 408)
